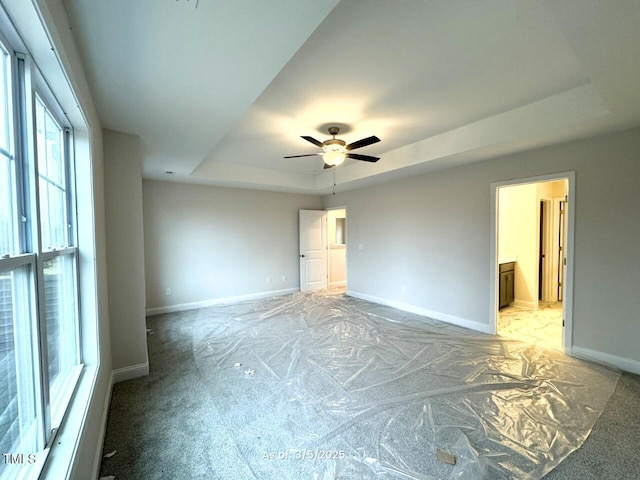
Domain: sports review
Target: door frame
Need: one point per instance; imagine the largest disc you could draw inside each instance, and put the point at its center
(546, 234)
(554, 246)
(560, 242)
(567, 304)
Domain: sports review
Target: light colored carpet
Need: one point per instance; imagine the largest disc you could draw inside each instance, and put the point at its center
(377, 391)
(173, 424)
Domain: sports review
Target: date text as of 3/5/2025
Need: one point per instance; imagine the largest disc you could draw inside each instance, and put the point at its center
(306, 454)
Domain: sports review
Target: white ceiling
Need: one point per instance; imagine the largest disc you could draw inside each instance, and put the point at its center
(220, 90)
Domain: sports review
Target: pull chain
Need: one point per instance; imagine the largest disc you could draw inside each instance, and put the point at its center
(334, 180)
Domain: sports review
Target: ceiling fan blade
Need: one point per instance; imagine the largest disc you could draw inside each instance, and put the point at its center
(326, 165)
(366, 158)
(307, 155)
(363, 143)
(317, 143)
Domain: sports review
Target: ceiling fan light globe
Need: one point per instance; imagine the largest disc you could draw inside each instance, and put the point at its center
(333, 158)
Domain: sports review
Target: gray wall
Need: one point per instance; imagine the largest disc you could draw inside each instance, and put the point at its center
(207, 243)
(424, 240)
(431, 234)
(125, 249)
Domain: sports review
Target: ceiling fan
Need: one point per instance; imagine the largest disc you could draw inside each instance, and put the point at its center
(334, 150)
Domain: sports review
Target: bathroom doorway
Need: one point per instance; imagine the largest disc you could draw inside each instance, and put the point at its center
(337, 244)
(531, 236)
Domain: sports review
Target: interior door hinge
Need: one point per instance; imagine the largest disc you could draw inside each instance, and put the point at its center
(563, 322)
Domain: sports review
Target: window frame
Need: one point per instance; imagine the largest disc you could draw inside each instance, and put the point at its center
(26, 349)
(55, 407)
(42, 94)
(10, 153)
(27, 84)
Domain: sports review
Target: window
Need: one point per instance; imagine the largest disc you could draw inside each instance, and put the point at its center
(19, 415)
(58, 254)
(7, 207)
(51, 173)
(40, 357)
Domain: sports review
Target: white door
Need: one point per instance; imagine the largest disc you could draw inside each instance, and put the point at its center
(313, 249)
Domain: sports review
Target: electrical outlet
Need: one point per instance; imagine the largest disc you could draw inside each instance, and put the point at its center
(167, 292)
(360, 247)
(404, 290)
(269, 279)
(284, 278)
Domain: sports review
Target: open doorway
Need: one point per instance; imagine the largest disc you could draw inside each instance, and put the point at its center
(531, 238)
(323, 250)
(337, 242)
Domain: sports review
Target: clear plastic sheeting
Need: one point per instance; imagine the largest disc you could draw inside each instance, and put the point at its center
(316, 386)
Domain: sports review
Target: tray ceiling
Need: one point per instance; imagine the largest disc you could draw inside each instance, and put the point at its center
(219, 91)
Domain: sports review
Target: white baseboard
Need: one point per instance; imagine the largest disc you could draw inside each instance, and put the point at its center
(127, 373)
(338, 284)
(525, 304)
(97, 461)
(622, 363)
(218, 301)
(443, 317)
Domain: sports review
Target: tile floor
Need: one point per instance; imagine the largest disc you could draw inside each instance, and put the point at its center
(543, 325)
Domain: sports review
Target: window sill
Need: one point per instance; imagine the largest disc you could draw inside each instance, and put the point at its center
(63, 450)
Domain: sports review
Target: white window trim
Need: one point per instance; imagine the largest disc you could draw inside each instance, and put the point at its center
(61, 455)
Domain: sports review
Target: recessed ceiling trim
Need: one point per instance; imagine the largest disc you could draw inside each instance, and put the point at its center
(530, 121)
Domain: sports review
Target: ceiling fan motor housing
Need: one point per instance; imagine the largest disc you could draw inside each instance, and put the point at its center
(334, 145)
(335, 151)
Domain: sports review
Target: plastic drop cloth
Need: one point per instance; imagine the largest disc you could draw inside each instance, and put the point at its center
(316, 386)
